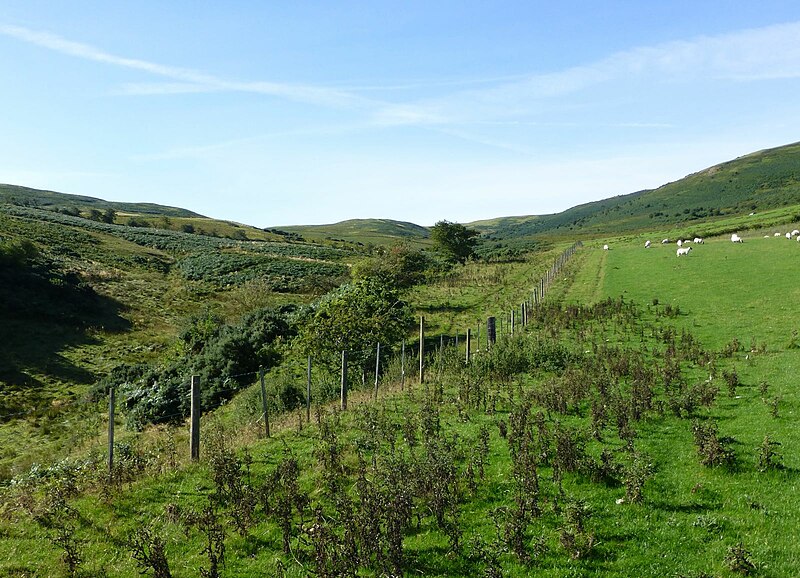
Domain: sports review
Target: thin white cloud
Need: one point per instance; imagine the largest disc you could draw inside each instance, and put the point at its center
(768, 53)
(188, 80)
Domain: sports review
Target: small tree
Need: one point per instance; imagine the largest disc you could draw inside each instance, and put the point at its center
(400, 265)
(454, 241)
(354, 318)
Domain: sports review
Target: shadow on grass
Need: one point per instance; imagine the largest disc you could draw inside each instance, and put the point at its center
(42, 313)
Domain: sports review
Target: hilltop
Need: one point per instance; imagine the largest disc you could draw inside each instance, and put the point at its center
(14, 194)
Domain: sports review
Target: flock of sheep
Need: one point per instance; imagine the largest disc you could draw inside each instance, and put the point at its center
(735, 238)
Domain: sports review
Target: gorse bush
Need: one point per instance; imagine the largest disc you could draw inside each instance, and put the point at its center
(225, 357)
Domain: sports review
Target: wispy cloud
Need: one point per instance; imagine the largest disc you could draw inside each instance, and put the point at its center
(751, 55)
(188, 80)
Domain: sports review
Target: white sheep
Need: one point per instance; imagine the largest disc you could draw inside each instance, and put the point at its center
(680, 243)
(777, 235)
(647, 244)
(605, 247)
(665, 242)
(736, 239)
(683, 251)
(788, 235)
(795, 232)
(698, 241)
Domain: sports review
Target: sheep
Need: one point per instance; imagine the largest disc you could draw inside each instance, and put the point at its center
(683, 251)
(788, 235)
(795, 232)
(647, 244)
(680, 243)
(777, 235)
(736, 239)
(698, 241)
(605, 247)
(665, 242)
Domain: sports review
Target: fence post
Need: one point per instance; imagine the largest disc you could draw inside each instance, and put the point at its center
(491, 332)
(264, 401)
(469, 342)
(421, 349)
(194, 427)
(112, 394)
(344, 380)
(512, 322)
(308, 392)
(377, 368)
(403, 366)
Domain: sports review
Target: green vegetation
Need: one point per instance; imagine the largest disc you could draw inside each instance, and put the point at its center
(751, 184)
(641, 423)
(454, 241)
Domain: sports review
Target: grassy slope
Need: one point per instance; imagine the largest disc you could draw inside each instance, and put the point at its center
(52, 199)
(56, 348)
(757, 182)
(365, 231)
(691, 514)
(725, 291)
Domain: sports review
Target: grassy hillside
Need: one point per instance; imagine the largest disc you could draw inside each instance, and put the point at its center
(644, 426)
(87, 296)
(761, 181)
(364, 231)
(26, 196)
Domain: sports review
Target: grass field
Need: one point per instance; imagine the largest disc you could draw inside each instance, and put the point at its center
(721, 310)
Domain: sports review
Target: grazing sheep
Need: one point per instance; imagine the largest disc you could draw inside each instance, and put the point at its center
(665, 242)
(680, 243)
(736, 239)
(683, 251)
(788, 235)
(698, 241)
(795, 232)
(777, 235)
(605, 247)
(647, 244)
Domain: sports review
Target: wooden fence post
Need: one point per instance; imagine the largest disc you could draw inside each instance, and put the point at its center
(112, 394)
(403, 366)
(377, 368)
(421, 348)
(491, 332)
(344, 380)
(194, 427)
(512, 322)
(308, 392)
(264, 405)
(469, 342)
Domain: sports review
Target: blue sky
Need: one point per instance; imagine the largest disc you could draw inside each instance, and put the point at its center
(278, 113)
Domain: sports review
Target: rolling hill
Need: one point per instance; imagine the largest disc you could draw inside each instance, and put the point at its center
(14, 194)
(764, 180)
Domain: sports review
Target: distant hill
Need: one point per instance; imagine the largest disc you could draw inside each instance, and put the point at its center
(29, 197)
(760, 181)
(375, 231)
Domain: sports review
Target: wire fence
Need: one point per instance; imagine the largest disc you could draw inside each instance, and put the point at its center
(385, 363)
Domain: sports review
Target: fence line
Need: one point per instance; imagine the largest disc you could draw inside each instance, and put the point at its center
(514, 325)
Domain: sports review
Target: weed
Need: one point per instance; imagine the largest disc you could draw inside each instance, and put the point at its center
(147, 549)
(739, 559)
(768, 456)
